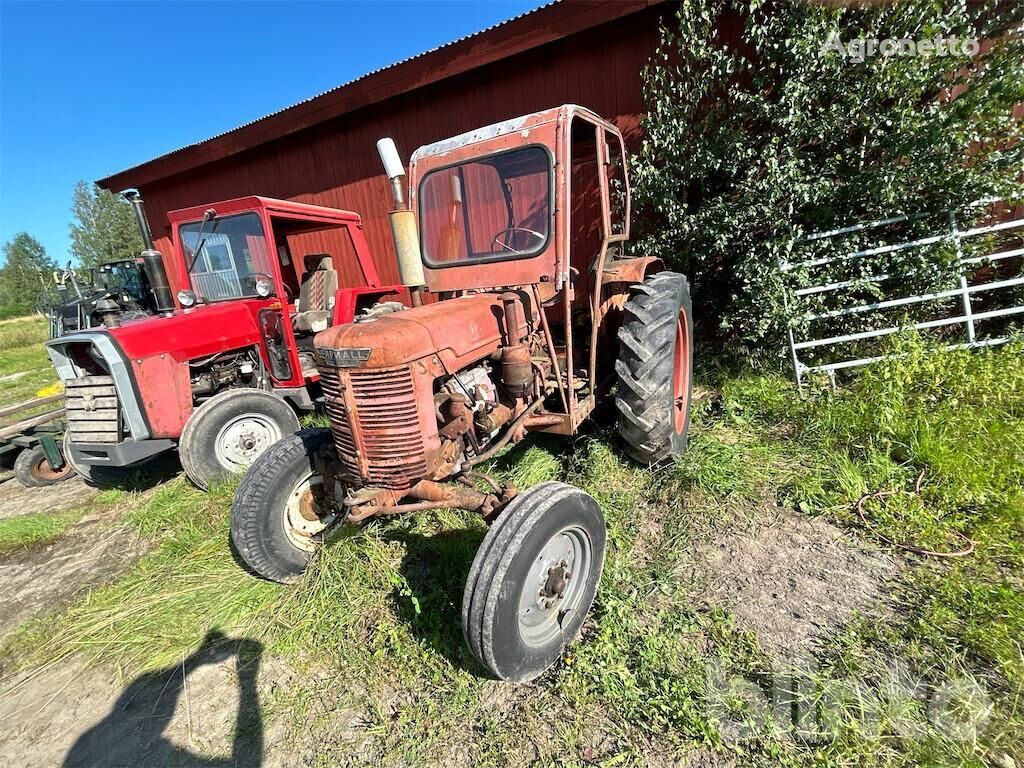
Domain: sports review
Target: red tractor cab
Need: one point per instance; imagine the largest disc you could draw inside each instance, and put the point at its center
(221, 373)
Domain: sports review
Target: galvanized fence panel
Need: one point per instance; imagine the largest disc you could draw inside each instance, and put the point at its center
(847, 309)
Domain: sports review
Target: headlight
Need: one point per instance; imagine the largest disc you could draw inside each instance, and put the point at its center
(186, 298)
(264, 287)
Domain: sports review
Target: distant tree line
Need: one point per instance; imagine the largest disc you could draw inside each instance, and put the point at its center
(103, 229)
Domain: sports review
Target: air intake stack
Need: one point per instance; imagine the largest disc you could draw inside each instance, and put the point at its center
(403, 221)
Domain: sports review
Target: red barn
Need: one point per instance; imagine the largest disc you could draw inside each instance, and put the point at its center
(322, 150)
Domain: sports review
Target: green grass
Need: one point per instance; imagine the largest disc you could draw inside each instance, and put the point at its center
(34, 530)
(24, 366)
(373, 629)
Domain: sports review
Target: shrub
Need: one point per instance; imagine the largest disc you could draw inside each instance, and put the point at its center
(746, 146)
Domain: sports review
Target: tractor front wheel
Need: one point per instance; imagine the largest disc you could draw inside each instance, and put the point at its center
(655, 368)
(279, 514)
(228, 432)
(533, 580)
(33, 469)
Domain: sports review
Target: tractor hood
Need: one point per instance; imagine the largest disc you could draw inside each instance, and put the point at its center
(457, 331)
(191, 333)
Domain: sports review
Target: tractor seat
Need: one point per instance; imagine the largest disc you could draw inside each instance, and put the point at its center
(316, 294)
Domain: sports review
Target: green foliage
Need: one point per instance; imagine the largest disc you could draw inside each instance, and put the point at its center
(748, 146)
(34, 530)
(24, 274)
(104, 228)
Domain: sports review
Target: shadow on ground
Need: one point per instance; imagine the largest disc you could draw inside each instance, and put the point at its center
(134, 731)
(435, 570)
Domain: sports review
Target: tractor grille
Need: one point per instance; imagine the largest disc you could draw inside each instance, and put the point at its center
(375, 425)
(92, 412)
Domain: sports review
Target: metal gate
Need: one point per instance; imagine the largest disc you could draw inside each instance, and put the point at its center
(978, 274)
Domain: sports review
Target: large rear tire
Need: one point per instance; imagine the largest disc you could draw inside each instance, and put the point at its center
(533, 581)
(655, 369)
(228, 432)
(278, 516)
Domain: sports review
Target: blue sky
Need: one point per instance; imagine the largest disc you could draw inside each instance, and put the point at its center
(90, 88)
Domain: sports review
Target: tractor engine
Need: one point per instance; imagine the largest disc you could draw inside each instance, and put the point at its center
(424, 393)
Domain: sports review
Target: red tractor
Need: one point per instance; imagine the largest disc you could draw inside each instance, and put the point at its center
(221, 373)
(518, 231)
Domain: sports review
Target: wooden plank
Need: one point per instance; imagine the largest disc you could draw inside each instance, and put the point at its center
(34, 421)
(33, 403)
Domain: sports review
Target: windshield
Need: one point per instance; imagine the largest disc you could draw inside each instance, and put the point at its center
(123, 277)
(489, 209)
(233, 252)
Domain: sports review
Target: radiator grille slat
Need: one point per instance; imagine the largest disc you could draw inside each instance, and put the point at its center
(379, 441)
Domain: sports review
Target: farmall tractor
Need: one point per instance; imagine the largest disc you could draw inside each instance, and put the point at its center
(221, 373)
(518, 231)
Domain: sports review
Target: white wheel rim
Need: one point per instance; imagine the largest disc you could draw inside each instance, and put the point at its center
(555, 586)
(302, 514)
(241, 441)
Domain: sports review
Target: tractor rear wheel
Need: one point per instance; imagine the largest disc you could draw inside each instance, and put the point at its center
(278, 516)
(33, 469)
(533, 580)
(228, 432)
(655, 368)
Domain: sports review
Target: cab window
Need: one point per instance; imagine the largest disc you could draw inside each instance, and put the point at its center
(487, 209)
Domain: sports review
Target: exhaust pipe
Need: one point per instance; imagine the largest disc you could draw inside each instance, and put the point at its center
(133, 197)
(403, 222)
(152, 259)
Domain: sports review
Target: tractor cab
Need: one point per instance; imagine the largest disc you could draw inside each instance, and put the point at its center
(285, 260)
(541, 200)
(222, 367)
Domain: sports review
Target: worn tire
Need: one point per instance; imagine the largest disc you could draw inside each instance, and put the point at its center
(33, 470)
(655, 369)
(258, 511)
(501, 572)
(203, 449)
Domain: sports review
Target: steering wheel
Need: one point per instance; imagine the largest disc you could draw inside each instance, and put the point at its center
(509, 230)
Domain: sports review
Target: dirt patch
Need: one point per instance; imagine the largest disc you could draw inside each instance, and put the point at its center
(41, 580)
(16, 499)
(792, 579)
(205, 711)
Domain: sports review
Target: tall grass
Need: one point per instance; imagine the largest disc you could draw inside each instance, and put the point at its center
(374, 625)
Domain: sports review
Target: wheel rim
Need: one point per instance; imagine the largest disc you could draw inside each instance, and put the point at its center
(41, 470)
(240, 442)
(303, 523)
(555, 586)
(681, 373)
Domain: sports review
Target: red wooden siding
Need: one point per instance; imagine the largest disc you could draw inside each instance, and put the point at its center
(334, 163)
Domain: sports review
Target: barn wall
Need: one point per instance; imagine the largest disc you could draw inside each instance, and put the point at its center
(335, 163)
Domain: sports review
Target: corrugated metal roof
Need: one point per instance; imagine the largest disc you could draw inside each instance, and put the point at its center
(371, 73)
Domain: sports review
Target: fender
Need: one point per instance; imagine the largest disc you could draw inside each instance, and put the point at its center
(632, 270)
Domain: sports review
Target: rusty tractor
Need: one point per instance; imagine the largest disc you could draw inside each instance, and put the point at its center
(527, 313)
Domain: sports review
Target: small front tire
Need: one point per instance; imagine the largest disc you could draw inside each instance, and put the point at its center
(228, 432)
(278, 515)
(533, 581)
(33, 469)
